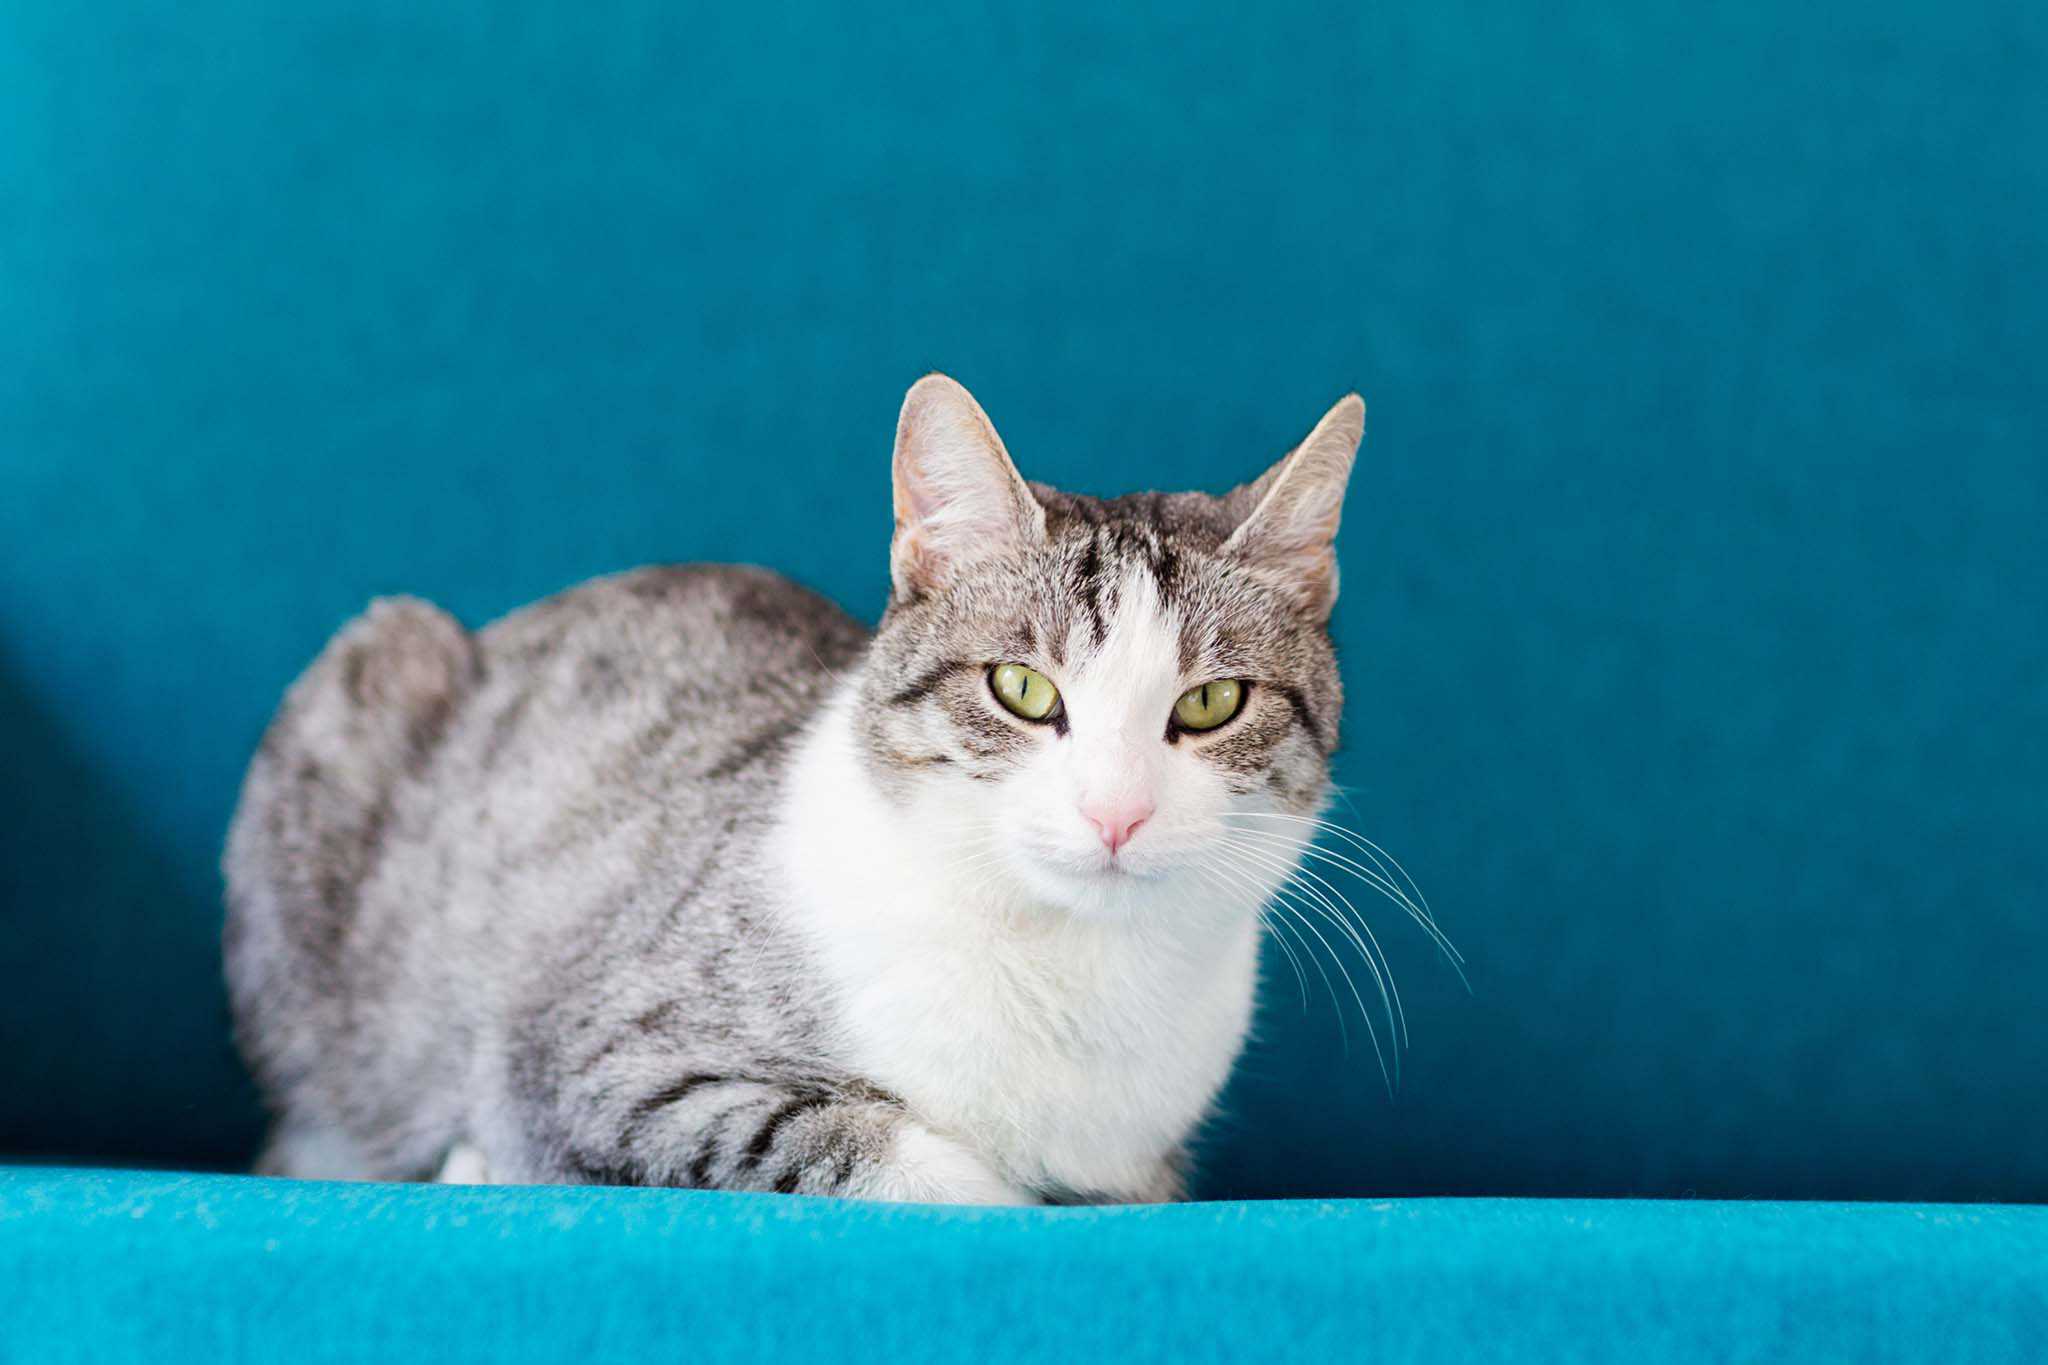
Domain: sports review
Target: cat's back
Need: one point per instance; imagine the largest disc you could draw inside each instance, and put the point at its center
(619, 737)
(669, 674)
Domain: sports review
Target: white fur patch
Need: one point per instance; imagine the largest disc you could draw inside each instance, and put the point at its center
(465, 1166)
(925, 1168)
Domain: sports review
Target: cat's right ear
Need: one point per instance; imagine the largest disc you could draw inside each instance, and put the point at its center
(1290, 513)
(958, 497)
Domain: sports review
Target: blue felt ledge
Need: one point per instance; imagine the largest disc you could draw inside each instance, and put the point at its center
(118, 1266)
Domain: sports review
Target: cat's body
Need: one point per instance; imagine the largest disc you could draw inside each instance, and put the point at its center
(680, 878)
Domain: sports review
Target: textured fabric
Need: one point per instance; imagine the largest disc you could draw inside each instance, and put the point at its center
(1693, 583)
(163, 1269)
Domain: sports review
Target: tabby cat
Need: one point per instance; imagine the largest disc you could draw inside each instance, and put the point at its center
(683, 877)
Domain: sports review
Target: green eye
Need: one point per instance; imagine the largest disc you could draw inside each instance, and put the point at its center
(1207, 706)
(1024, 691)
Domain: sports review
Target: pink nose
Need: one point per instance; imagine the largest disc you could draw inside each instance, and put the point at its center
(1116, 821)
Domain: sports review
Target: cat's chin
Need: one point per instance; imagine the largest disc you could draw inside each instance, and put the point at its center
(1109, 891)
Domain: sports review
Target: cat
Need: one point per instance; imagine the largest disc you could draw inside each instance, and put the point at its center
(682, 877)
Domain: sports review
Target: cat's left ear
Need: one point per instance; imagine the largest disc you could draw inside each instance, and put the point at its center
(958, 496)
(1290, 529)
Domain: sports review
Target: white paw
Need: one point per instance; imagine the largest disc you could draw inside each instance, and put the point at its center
(465, 1166)
(924, 1168)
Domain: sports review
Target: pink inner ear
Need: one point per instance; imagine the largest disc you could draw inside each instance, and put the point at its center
(950, 467)
(1291, 530)
(913, 562)
(958, 497)
(917, 500)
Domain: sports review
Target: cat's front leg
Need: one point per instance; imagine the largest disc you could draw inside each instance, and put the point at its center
(708, 1131)
(464, 1165)
(924, 1167)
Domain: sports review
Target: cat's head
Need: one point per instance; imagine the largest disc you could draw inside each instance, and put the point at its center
(1093, 697)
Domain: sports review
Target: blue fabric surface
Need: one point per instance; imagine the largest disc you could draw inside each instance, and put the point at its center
(116, 1266)
(1694, 581)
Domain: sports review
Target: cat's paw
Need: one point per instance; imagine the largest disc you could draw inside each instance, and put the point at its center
(925, 1168)
(465, 1165)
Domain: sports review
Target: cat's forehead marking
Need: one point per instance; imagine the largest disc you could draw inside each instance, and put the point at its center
(1140, 639)
(1119, 591)
(1188, 611)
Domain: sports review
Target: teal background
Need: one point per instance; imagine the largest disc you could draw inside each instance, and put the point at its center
(1694, 586)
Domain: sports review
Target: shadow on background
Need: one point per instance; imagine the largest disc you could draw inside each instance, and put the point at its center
(114, 1054)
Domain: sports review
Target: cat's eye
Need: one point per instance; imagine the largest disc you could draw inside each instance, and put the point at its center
(1207, 705)
(1024, 691)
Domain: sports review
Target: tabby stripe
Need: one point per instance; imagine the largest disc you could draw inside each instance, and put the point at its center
(1301, 713)
(502, 727)
(661, 1099)
(764, 1136)
(596, 1172)
(700, 1165)
(1089, 588)
(646, 1022)
(751, 748)
(924, 686)
(1165, 569)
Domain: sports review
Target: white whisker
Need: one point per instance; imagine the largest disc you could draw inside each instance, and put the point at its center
(1335, 859)
(1202, 870)
(1378, 874)
(1372, 850)
(1309, 902)
(1364, 1015)
(1269, 897)
(1320, 895)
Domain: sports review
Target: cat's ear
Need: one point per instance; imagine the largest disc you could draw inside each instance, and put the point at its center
(1290, 512)
(958, 497)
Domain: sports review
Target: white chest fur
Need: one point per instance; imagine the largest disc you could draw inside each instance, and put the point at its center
(1069, 1051)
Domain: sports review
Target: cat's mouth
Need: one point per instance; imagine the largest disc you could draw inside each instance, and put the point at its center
(1102, 868)
(1065, 870)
